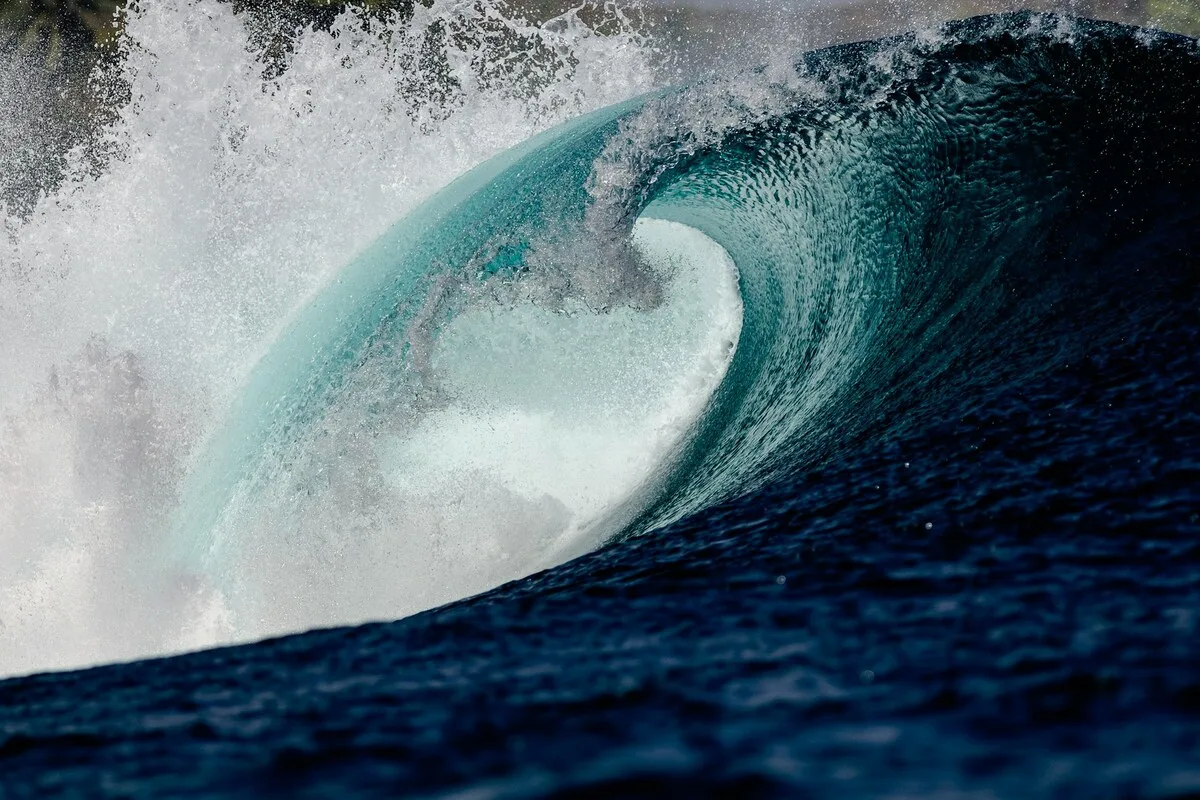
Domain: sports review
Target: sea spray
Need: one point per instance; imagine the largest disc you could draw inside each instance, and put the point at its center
(136, 296)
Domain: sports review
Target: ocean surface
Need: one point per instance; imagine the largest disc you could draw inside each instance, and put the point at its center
(822, 428)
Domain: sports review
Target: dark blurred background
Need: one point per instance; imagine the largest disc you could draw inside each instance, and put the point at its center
(66, 34)
(50, 48)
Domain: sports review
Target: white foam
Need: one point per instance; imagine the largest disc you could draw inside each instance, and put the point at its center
(135, 298)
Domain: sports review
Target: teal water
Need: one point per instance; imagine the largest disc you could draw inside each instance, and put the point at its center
(885, 207)
(900, 500)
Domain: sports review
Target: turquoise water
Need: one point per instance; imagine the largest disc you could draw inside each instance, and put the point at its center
(827, 430)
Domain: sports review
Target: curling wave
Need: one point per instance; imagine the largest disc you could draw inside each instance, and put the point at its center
(663, 305)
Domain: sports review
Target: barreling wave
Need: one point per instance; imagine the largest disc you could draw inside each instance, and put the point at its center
(659, 306)
(926, 206)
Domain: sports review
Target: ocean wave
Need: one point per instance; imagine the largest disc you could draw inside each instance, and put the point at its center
(654, 309)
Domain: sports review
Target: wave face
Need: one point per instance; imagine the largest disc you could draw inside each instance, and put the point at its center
(846, 409)
(927, 215)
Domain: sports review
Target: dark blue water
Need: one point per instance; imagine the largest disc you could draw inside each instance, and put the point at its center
(971, 567)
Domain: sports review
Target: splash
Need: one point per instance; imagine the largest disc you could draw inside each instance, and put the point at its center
(230, 186)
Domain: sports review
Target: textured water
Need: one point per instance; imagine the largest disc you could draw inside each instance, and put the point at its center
(930, 531)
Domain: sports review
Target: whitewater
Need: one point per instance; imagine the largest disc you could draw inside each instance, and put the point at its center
(139, 295)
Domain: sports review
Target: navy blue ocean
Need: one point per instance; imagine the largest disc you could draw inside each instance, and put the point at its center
(935, 532)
